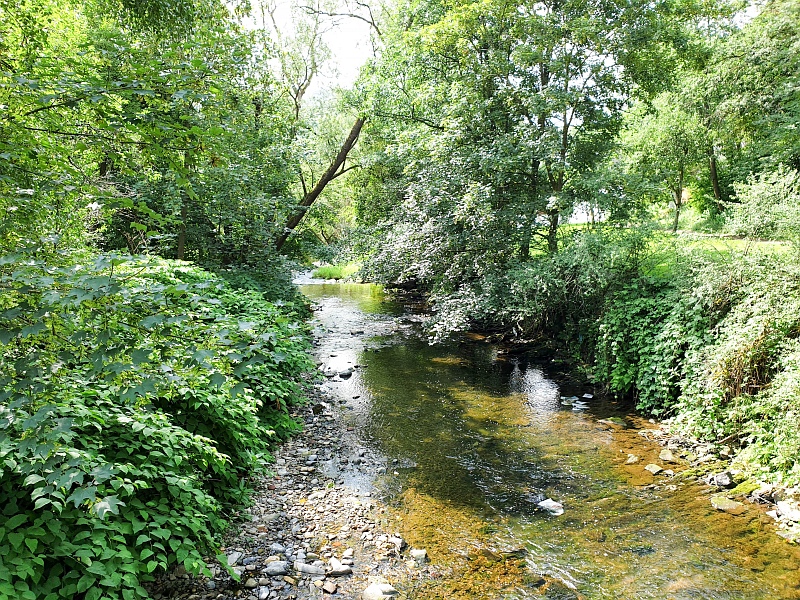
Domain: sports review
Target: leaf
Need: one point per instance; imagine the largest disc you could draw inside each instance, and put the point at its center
(16, 539)
(93, 593)
(109, 504)
(217, 380)
(15, 522)
(40, 502)
(151, 321)
(82, 495)
(141, 355)
(85, 582)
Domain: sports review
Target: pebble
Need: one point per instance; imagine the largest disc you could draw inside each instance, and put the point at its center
(329, 587)
(234, 557)
(277, 568)
(338, 569)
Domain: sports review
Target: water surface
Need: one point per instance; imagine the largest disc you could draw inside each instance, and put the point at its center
(475, 439)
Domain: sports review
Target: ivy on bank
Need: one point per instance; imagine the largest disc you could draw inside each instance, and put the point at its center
(137, 396)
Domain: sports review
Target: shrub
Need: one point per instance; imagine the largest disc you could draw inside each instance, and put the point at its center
(138, 396)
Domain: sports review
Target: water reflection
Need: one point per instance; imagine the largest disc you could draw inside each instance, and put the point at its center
(542, 394)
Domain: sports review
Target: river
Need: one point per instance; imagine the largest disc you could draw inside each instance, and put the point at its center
(475, 438)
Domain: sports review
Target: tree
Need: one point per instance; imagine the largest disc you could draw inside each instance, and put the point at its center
(665, 144)
(754, 89)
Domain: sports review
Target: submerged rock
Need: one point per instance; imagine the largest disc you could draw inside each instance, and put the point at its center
(667, 456)
(727, 505)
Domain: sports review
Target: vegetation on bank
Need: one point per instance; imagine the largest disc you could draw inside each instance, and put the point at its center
(139, 393)
(336, 271)
(140, 396)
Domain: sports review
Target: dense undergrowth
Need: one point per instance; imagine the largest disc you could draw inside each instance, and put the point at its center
(138, 397)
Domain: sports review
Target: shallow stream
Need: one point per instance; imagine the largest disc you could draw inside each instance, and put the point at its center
(474, 439)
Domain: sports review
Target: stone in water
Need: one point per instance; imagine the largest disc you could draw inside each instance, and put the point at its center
(551, 506)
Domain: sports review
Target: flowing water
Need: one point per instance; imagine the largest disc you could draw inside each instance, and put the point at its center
(475, 439)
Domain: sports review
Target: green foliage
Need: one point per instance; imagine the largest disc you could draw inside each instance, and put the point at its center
(138, 397)
(646, 331)
(769, 206)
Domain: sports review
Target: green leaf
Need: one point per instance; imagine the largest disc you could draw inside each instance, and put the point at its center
(15, 521)
(83, 494)
(16, 539)
(217, 380)
(40, 502)
(93, 593)
(85, 582)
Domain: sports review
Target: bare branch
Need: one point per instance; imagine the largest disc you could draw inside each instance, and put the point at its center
(370, 20)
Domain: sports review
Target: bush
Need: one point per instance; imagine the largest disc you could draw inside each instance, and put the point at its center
(138, 396)
(769, 206)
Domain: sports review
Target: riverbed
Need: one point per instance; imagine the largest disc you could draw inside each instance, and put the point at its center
(475, 440)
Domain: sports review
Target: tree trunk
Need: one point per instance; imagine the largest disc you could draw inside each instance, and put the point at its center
(329, 175)
(677, 212)
(552, 231)
(182, 232)
(712, 170)
(677, 195)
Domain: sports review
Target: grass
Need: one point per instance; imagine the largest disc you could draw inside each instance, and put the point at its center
(336, 271)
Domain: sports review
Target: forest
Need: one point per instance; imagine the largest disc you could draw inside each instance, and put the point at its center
(616, 181)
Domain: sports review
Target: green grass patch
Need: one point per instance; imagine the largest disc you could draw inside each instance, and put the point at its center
(336, 271)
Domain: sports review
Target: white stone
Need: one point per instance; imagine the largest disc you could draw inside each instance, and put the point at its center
(551, 506)
(789, 509)
(302, 567)
(654, 469)
(338, 569)
(379, 591)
